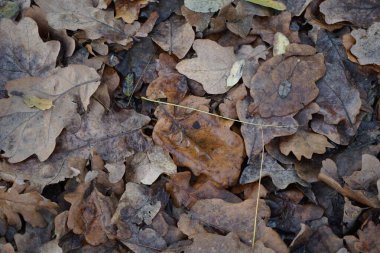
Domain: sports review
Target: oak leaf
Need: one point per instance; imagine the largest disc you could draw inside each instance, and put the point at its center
(96, 23)
(202, 142)
(304, 143)
(367, 45)
(129, 10)
(212, 66)
(368, 242)
(358, 12)
(145, 167)
(199, 20)
(285, 84)
(30, 131)
(174, 36)
(24, 56)
(29, 205)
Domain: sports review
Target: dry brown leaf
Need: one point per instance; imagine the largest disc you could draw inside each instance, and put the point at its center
(129, 10)
(228, 107)
(96, 23)
(145, 167)
(148, 25)
(184, 194)
(169, 84)
(30, 131)
(324, 240)
(350, 215)
(280, 176)
(190, 227)
(330, 131)
(285, 84)
(174, 36)
(24, 56)
(266, 27)
(296, 7)
(358, 12)
(368, 239)
(367, 46)
(199, 20)
(207, 5)
(214, 243)
(338, 98)
(31, 206)
(201, 142)
(304, 143)
(329, 175)
(212, 66)
(238, 218)
(252, 134)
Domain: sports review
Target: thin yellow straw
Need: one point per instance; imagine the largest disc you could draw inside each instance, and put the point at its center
(213, 114)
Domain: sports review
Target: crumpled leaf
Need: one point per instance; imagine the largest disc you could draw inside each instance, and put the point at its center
(184, 194)
(23, 56)
(174, 36)
(129, 10)
(228, 107)
(31, 206)
(96, 23)
(338, 98)
(362, 13)
(280, 176)
(304, 143)
(145, 167)
(368, 241)
(212, 66)
(213, 243)
(285, 84)
(367, 46)
(201, 142)
(169, 84)
(28, 131)
(205, 6)
(270, 3)
(252, 134)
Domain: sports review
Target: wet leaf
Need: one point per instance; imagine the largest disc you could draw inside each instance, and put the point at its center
(174, 36)
(24, 56)
(304, 143)
(212, 66)
(200, 142)
(285, 84)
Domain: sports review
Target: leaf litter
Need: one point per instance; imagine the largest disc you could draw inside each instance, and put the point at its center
(194, 126)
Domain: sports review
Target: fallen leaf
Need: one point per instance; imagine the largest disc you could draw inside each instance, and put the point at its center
(228, 107)
(351, 10)
(324, 240)
(366, 48)
(266, 27)
(285, 84)
(270, 3)
(304, 143)
(280, 43)
(129, 10)
(303, 236)
(280, 176)
(174, 36)
(30, 206)
(39, 103)
(306, 114)
(184, 194)
(272, 127)
(200, 141)
(338, 99)
(199, 20)
(238, 218)
(24, 56)
(95, 22)
(166, 227)
(190, 227)
(235, 73)
(169, 84)
(212, 66)
(333, 132)
(329, 176)
(206, 6)
(26, 128)
(145, 167)
(367, 239)
(148, 25)
(350, 215)
(296, 7)
(213, 243)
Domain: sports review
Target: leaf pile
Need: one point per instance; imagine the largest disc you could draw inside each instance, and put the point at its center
(144, 126)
